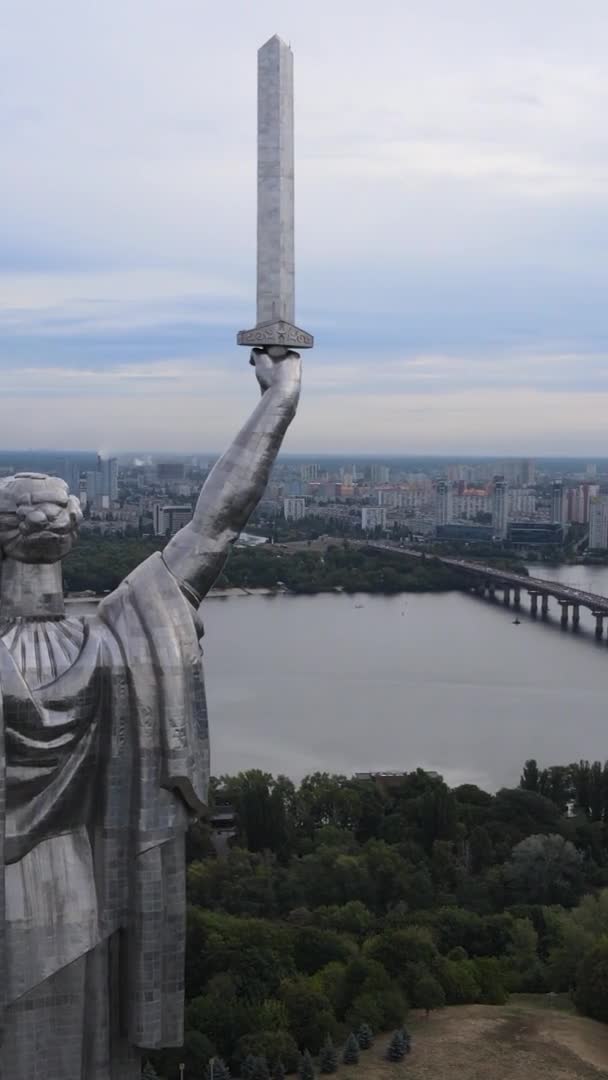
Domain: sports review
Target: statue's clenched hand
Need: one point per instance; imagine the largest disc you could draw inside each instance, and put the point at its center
(281, 372)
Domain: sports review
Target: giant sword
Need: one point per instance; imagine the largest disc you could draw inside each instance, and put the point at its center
(275, 270)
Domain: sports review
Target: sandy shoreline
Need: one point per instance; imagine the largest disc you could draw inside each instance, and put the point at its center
(213, 594)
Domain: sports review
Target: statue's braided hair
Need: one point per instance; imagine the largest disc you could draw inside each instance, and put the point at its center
(32, 502)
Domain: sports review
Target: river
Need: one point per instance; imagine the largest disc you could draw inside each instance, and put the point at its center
(444, 681)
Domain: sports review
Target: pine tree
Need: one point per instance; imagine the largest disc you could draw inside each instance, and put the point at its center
(407, 1039)
(350, 1054)
(306, 1070)
(278, 1070)
(149, 1072)
(260, 1069)
(248, 1067)
(396, 1048)
(365, 1037)
(328, 1057)
(217, 1070)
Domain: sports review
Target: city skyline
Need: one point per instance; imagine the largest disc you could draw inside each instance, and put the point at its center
(450, 222)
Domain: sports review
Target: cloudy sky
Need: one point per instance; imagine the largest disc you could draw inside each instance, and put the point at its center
(452, 222)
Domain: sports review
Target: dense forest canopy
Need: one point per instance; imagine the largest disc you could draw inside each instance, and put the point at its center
(343, 902)
(100, 563)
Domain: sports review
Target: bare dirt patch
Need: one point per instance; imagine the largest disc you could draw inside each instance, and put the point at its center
(481, 1042)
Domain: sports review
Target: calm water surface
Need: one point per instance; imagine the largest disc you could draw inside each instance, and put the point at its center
(443, 681)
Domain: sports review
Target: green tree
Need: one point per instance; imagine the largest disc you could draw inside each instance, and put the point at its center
(328, 1057)
(260, 1069)
(407, 1039)
(545, 870)
(310, 1014)
(437, 815)
(565, 955)
(491, 980)
(278, 1070)
(396, 1048)
(530, 777)
(275, 1045)
(306, 1070)
(352, 918)
(261, 805)
(350, 1054)
(396, 948)
(315, 948)
(591, 995)
(248, 1066)
(217, 1070)
(523, 954)
(481, 850)
(429, 994)
(365, 1037)
(459, 981)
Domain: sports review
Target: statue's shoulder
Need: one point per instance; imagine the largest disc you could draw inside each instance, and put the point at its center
(44, 649)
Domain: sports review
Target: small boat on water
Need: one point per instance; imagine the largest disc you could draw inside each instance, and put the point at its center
(516, 622)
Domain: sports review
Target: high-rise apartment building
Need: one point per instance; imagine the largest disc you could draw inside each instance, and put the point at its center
(578, 502)
(380, 473)
(70, 472)
(500, 507)
(108, 482)
(557, 502)
(443, 503)
(598, 523)
(92, 487)
(309, 473)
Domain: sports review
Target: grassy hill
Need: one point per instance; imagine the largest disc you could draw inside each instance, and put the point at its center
(519, 1041)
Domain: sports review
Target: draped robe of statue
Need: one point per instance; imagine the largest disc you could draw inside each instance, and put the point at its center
(104, 757)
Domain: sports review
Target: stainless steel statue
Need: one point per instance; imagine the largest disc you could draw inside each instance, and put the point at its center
(104, 756)
(104, 752)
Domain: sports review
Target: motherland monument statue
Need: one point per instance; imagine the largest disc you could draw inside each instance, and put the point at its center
(104, 750)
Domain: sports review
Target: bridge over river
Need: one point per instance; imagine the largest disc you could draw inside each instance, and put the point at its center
(488, 580)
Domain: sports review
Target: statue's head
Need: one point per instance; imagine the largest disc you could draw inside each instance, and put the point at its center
(39, 518)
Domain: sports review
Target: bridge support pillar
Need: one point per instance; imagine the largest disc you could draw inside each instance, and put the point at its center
(544, 605)
(534, 603)
(492, 591)
(517, 597)
(506, 599)
(599, 624)
(564, 606)
(576, 616)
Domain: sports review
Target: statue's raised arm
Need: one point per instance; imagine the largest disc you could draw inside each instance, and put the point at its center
(237, 482)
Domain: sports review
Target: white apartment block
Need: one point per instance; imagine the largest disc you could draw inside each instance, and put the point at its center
(372, 517)
(294, 508)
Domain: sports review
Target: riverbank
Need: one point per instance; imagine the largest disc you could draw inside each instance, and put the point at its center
(99, 564)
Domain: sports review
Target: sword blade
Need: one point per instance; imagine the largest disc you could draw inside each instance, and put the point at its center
(275, 257)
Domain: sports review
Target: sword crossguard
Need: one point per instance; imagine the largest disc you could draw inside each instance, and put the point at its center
(281, 334)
